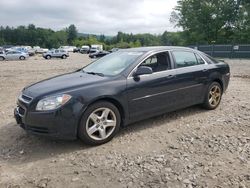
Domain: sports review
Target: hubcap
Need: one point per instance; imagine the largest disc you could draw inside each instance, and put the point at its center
(214, 96)
(101, 123)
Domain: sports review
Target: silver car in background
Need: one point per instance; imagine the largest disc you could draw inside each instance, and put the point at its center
(56, 53)
(13, 55)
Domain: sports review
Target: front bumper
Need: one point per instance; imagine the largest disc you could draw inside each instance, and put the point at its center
(61, 123)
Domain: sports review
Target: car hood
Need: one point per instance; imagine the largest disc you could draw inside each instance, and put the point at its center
(62, 83)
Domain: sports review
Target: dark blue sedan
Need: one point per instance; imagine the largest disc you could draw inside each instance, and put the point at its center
(123, 87)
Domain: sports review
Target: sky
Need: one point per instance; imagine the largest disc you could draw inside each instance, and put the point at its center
(92, 16)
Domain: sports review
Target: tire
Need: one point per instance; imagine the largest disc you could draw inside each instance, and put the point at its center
(64, 57)
(22, 58)
(48, 57)
(93, 128)
(213, 96)
(2, 58)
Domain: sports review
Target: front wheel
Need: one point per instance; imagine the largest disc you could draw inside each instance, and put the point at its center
(2, 58)
(99, 124)
(213, 96)
(64, 57)
(48, 57)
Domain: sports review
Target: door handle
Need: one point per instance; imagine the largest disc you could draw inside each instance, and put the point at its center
(205, 70)
(170, 76)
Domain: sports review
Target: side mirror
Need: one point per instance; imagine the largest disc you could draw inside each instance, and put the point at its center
(143, 70)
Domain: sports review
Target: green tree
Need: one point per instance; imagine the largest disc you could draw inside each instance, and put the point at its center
(72, 33)
(205, 20)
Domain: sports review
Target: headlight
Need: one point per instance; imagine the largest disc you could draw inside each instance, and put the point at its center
(52, 102)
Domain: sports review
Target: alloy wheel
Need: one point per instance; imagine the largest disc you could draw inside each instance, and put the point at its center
(214, 95)
(101, 123)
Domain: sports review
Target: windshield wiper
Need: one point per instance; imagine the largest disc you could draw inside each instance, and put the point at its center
(96, 73)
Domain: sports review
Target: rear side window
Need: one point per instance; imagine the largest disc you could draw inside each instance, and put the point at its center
(211, 59)
(186, 59)
(200, 61)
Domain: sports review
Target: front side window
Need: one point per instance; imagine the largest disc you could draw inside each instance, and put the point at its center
(184, 59)
(114, 63)
(158, 62)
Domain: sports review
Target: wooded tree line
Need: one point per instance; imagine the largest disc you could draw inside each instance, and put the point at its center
(202, 22)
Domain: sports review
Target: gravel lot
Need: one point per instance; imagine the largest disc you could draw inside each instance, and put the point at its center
(188, 148)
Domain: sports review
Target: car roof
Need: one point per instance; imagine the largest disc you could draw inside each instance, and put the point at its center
(157, 48)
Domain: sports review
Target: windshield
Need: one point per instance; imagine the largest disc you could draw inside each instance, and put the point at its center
(113, 64)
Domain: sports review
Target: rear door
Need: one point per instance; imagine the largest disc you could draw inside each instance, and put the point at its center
(191, 77)
(16, 55)
(152, 93)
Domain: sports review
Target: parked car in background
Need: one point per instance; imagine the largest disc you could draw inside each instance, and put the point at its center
(40, 50)
(76, 50)
(119, 89)
(13, 55)
(98, 47)
(98, 54)
(26, 49)
(67, 48)
(56, 54)
(2, 53)
(30, 50)
(5, 47)
(114, 50)
(85, 49)
(91, 51)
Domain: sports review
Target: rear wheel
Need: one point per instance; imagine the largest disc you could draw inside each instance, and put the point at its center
(99, 124)
(22, 58)
(213, 96)
(2, 58)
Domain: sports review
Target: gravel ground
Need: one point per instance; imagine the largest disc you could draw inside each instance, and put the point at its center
(188, 148)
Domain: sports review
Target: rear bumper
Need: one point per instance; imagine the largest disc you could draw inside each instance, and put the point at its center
(226, 79)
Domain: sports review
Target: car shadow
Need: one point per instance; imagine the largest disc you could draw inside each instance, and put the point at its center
(162, 119)
(16, 146)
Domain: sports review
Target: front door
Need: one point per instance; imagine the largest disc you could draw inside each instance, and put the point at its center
(153, 93)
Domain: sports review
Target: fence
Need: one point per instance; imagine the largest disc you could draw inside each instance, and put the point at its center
(225, 51)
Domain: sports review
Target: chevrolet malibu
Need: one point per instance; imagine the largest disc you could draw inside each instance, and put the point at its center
(121, 88)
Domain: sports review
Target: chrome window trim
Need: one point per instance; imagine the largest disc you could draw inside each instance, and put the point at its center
(206, 63)
(145, 75)
(192, 65)
(173, 68)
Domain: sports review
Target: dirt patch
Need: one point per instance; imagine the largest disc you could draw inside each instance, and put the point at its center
(188, 148)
